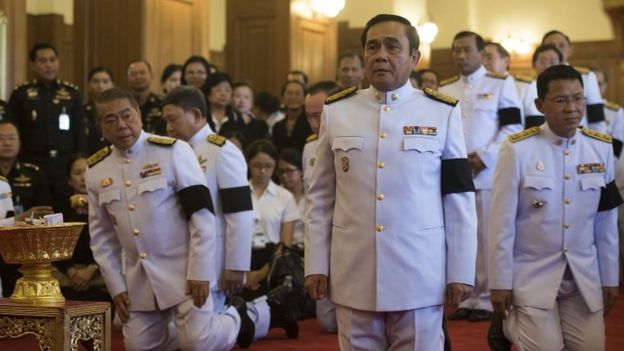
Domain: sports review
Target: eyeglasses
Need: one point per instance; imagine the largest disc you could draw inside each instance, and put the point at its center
(261, 166)
(564, 101)
(286, 171)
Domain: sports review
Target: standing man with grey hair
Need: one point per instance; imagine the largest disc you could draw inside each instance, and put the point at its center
(391, 222)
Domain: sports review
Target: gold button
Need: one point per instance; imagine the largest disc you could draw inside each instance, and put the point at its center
(567, 152)
(128, 183)
(567, 177)
(126, 160)
(135, 231)
(380, 196)
(379, 228)
(142, 255)
(381, 164)
(567, 226)
(131, 207)
(568, 201)
(383, 135)
(387, 108)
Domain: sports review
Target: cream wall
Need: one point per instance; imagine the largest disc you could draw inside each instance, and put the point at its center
(217, 24)
(61, 7)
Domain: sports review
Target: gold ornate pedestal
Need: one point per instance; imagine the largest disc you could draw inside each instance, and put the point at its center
(58, 327)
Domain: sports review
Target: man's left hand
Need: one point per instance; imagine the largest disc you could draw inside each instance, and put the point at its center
(456, 293)
(475, 163)
(232, 281)
(200, 290)
(609, 296)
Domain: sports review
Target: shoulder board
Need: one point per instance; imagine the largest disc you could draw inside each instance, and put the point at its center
(448, 81)
(527, 133)
(596, 135)
(438, 96)
(3, 179)
(611, 105)
(523, 78)
(497, 75)
(68, 84)
(30, 165)
(216, 139)
(582, 70)
(161, 140)
(341, 95)
(98, 156)
(311, 137)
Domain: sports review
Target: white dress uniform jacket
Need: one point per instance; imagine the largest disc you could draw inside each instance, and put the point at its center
(594, 115)
(139, 200)
(6, 205)
(554, 205)
(308, 159)
(491, 111)
(391, 215)
(226, 176)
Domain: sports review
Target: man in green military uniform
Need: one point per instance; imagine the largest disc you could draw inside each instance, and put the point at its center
(50, 118)
(139, 81)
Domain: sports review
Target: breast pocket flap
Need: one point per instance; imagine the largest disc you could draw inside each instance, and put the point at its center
(152, 184)
(538, 183)
(593, 183)
(347, 143)
(109, 196)
(420, 144)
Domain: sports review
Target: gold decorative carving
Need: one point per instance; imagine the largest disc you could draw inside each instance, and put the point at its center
(41, 328)
(87, 327)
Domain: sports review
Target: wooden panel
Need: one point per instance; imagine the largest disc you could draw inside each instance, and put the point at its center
(314, 46)
(53, 30)
(16, 43)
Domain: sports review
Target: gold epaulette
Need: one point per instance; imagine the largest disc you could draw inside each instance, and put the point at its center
(597, 135)
(2, 178)
(611, 105)
(448, 81)
(311, 137)
(524, 78)
(30, 165)
(581, 69)
(216, 139)
(66, 83)
(161, 140)
(341, 95)
(527, 133)
(497, 75)
(438, 96)
(98, 156)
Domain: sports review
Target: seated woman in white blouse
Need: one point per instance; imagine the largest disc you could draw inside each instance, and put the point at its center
(275, 210)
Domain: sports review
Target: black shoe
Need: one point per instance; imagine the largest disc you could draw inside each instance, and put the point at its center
(480, 316)
(495, 337)
(460, 314)
(281, 302)
(247, 328)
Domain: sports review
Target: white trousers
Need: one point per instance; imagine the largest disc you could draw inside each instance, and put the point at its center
(196, 328)
(480, 298)
(413, 330)
(568, 326)
(326, 315)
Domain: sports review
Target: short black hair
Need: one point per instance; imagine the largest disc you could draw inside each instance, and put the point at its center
(303, 86)
(215, 79)
(169, 71)
(350, 53)
(149, 67)
(291, 156)
(262, 145)
(113, 94)
(32, 54)
(305, 76)
(187, 98)
(97, 69)
(465, 34)
(544, 48)
(558, 72)
(554, 31)
(244, 83)
(326, 86)
(193, 59)
(72, 159)
(501, 49)
(410, 30)
(266, 102)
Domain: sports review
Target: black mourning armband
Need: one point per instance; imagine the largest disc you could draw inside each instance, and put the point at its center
(610, 197)
(595, 113)
(617, 147)
(533, 121)
(456, 176)
(194, 198)
(509, 115)
(236, 199)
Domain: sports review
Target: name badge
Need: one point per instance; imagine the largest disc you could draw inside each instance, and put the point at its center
(64, 121)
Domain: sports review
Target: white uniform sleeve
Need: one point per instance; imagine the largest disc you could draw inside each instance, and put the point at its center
(593, 98)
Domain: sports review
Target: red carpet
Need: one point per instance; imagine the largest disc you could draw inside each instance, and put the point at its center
(465, 336)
